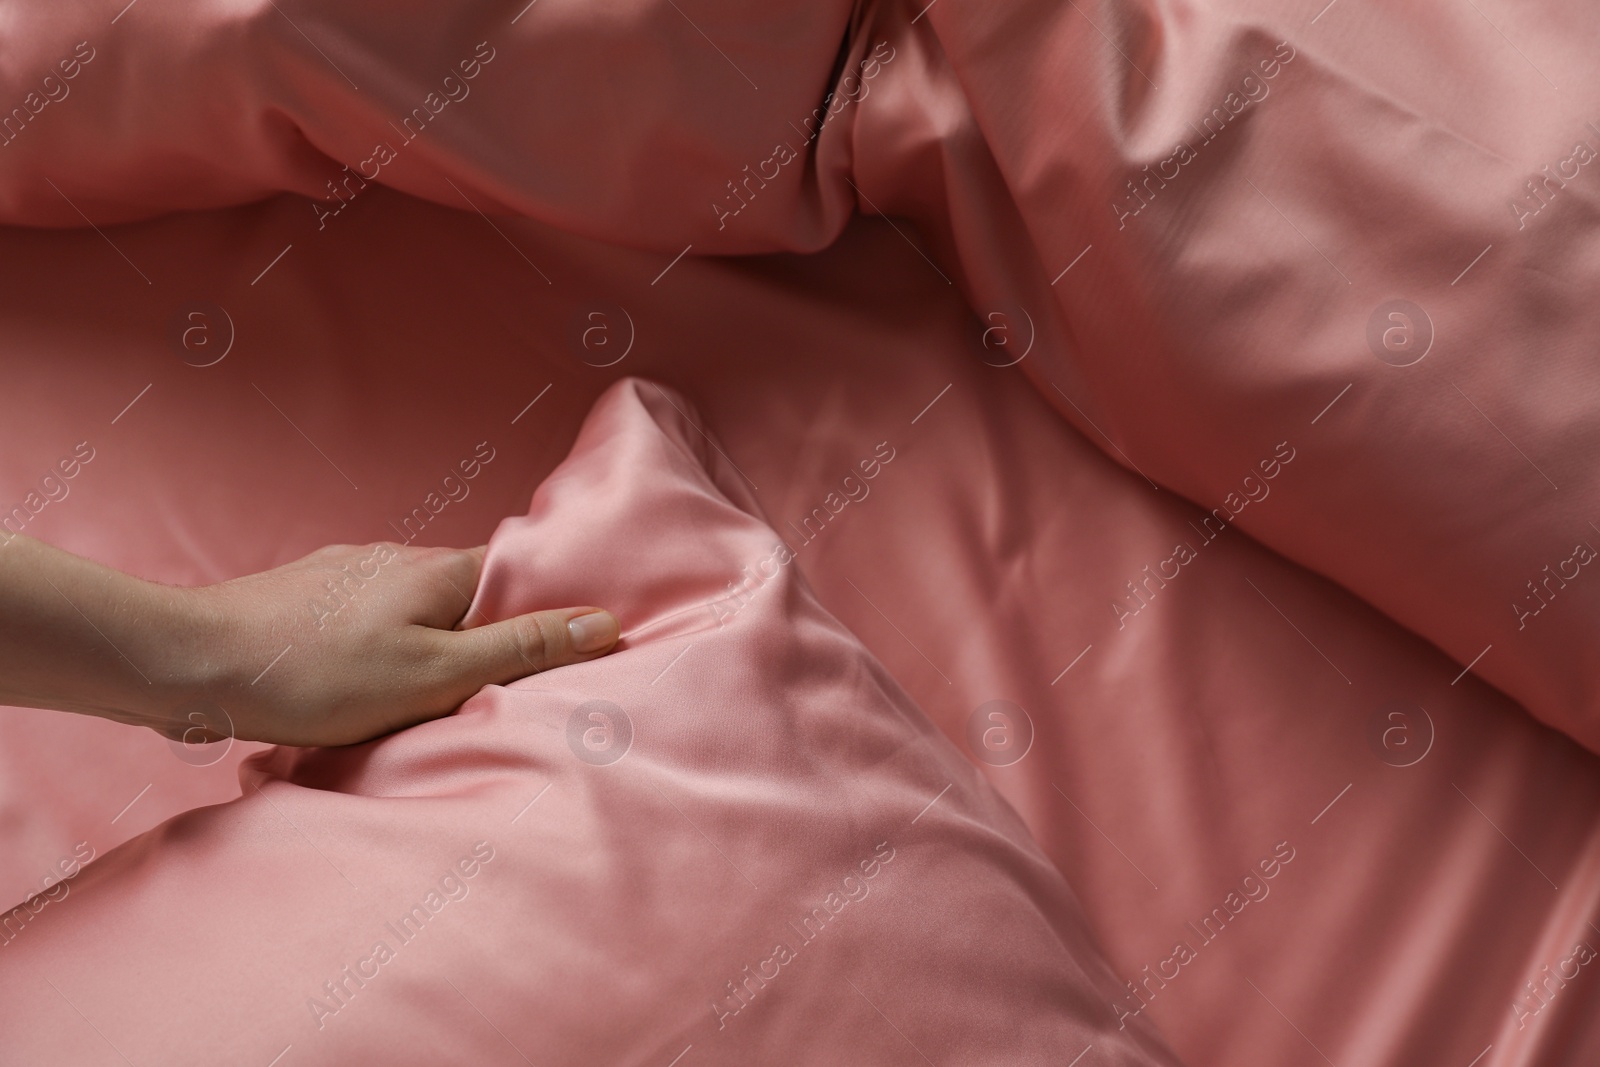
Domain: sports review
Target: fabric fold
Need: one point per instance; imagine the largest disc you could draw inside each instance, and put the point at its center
(711, 841)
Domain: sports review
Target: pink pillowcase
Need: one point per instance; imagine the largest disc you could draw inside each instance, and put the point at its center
(1309, 243)
(636, 125)
(735, 840)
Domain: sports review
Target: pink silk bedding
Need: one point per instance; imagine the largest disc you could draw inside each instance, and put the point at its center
(1196, 214)
(1434, 911)
(731, 829)
(1186, 755)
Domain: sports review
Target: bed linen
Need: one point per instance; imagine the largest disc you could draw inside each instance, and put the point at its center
(1310, 217)
(709, 863)
(1186, 754)
(1193, 735)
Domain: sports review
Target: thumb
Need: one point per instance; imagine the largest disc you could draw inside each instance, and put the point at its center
(515, 648)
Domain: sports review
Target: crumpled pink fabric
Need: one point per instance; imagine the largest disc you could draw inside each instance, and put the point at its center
(1215, 228)
(1186, 342)
(734, 840)
(622, 124)
(1179, 750)
(1223, 232)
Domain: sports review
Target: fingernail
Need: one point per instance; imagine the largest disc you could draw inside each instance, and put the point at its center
(592, 632)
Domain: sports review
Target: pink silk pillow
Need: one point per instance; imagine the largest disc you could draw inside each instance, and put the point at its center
(637, 123)
(735, 840)
(1325, 270)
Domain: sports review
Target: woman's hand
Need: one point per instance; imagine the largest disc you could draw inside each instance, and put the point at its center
(342, 646)
(352, 642)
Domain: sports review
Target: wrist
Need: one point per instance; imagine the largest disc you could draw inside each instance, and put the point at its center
(79, 636)
(184, 641)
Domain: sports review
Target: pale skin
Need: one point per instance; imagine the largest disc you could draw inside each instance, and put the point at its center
(381, 653)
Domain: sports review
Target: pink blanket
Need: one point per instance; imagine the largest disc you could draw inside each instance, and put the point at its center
(1211, 253)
